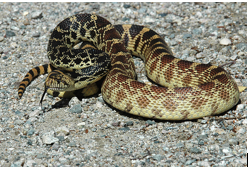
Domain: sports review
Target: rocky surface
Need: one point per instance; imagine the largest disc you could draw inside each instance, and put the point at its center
(91, 133)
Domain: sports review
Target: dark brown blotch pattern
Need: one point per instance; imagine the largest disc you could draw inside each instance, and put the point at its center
(143, 101)
(183, 64)
(201, 68)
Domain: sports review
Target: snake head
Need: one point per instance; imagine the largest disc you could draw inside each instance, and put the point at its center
(59, 81)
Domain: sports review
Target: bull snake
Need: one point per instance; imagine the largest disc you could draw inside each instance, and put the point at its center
(188, 90)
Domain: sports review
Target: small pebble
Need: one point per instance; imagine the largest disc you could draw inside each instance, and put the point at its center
(63, 160)
(40, 156)
(129, 123)
(240, 106)
(55, 147)
(233, 141)
(230, 127)
(149, 122)
(18, 112)
(241, 130)
(165, 148)
(81, 124)
(195, 150)
(179, 145)
(76, 109)
(163, 14)
(48, 138)
(37, 34)
(29, 142)
(158, 157)
(127, 6)
(25, 13)
(197, 31)
(124, 128)
(36, 15)
(14, 28)
(72, 144)
(26, 22)
(189, 162)
(186, 36)
(61, 138)
(62, 129)
(226, 150)
(30, 163)
(30, 132)
(1, 38)
(225, 41)
(115, 124)
(147, 19)
(10, 34)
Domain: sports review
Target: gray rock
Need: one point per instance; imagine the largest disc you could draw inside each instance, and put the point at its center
(18, 122)
(1, 39)
(163, 14)
(10, 34)
(14, 28)
(233, 141)
(172, 36)
(29, 142)
(31, 132)
(165, 148)
(189, 162)
(195, 150)
(149, 122)
(36, 15)
(76, 109)
(72, 144)
(225, 41)
(48, 138)
(186, 36)
(37, 34)
(142, 10)
(63, 160)
(197, 31)
(179, 145)
(61, 138)
(55, 146)
(26, 22)
(124, 128)
(30, 163)
(158, 157)
(129, 123)
(127, 6)
(40, 156)
(64, 130)
(230, 127)
(241, 46)
(18, 112)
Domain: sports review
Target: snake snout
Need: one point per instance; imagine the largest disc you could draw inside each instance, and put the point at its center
(56, 85)
(58, 81)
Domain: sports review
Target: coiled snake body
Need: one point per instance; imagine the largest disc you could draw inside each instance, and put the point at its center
(191, 90)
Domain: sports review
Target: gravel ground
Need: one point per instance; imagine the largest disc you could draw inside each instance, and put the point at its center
(89, 132)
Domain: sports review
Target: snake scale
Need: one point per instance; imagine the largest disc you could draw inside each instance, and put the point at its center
(187, 90)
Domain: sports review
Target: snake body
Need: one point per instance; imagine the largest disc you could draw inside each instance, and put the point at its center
(188, 90)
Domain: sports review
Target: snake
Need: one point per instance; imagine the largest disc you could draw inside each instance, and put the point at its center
(184, 90)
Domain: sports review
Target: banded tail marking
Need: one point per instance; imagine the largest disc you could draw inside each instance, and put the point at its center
(31, 75)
